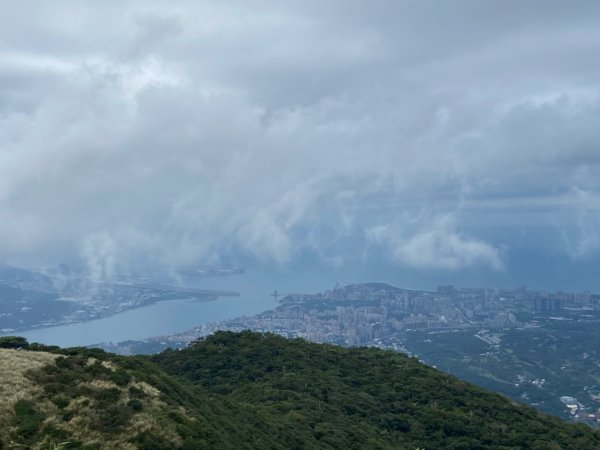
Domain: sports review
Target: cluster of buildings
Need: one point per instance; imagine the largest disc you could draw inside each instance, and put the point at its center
(361, 314)
(366, 314)
(580, 412)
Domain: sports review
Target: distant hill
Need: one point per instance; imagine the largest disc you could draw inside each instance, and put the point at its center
(255, 391)
(25, 279)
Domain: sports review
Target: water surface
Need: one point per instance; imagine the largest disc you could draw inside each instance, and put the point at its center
(173, 316)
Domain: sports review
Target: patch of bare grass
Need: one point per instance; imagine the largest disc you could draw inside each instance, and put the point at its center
(76, 412)
(14, 385)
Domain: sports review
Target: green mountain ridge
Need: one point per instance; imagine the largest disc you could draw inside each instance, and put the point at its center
(253, 391)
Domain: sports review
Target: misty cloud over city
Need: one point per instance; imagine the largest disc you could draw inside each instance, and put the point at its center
(174, 133)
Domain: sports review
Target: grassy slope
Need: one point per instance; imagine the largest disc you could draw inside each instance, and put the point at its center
(255, 391)
(95, 400)
(14, 385)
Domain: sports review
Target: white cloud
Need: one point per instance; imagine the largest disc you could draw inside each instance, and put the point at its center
(439, 245)
(582, 240)
(187, 131)
(101, 253)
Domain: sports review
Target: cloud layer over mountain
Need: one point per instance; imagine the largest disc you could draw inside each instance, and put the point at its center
(434, 134)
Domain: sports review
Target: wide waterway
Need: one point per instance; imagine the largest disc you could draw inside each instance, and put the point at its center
(173, 316)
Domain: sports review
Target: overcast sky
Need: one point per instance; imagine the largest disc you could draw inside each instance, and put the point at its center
(430, 136)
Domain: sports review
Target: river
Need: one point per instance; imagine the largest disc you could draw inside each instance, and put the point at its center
(255, 288)
(173, 316)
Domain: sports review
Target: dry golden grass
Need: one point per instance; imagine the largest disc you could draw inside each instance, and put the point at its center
(81, 427)
(150, 391)
(14, 385)
(107, 364)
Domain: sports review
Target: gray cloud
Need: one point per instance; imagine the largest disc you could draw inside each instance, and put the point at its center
(196, 130)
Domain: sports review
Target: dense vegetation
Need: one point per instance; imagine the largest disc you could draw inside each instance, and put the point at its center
(563, 353)
(247, 390)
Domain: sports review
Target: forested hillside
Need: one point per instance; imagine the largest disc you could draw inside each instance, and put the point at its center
(247, 390)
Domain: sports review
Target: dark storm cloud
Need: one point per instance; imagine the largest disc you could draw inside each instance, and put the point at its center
(188, 131)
